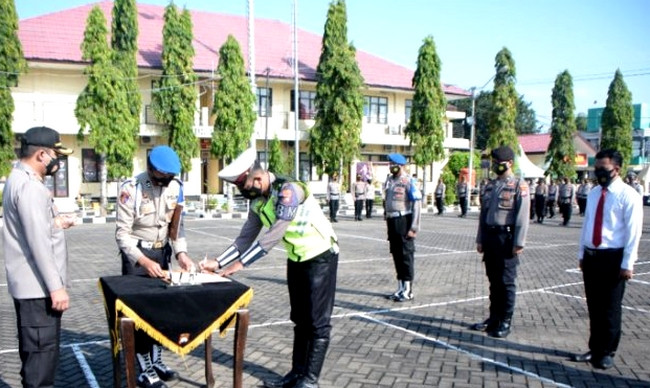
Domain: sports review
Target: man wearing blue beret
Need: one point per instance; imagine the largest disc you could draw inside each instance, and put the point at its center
(402, 214)
(145, 217)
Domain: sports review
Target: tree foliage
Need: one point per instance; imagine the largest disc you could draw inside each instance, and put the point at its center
(102, 104)
(581, 122)
(502, 119)
(233, 104)
(124, 42)
(425, 127)
(175, 98)
(335, 137)
(561, 151)
(618, 119)
(12, 64)
(277, 160)
(526, 119)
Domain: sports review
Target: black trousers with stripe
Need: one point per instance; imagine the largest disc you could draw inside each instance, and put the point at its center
(402, 247)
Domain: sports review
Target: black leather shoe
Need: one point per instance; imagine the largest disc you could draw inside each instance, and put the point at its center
(581, 357)
(287, 381)
(481, 326)
(501, 331)
(605, 362)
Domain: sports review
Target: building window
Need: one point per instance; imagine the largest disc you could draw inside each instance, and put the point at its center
(408, 105)
(264, 97)
(304, 167)
(58, 183)
(375, 109)
(306, 104)
(90, 165)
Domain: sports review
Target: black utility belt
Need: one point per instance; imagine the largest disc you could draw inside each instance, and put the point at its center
(153, 245)
(499, 228)
(603, 251)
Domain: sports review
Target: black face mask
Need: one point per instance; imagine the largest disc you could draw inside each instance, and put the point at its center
(395, 170)
(604, 176)
(500, 168)
(163, 182)
(50, 167)
(252, 193)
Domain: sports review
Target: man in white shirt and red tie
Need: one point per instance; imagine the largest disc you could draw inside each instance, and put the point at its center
(608, 249)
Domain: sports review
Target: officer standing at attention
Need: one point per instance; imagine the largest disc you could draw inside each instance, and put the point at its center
(541, 192)
(333, 196)
(291, 214)
(36, 256)
(461, 193)
(581, 195)
(551, 198)
(441, 188)
(145, 210)
(608, 249)
(359, 189)
(503, 224)
(566, 192)
(402, 202)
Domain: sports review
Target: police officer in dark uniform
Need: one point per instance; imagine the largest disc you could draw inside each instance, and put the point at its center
(566, 193)
(292, 215)
(503, 224)
(145, 215)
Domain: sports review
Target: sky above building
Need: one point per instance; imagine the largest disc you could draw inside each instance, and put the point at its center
(589, 38)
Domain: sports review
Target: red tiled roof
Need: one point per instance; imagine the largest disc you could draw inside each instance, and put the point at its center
(57, 37)
(535, 143)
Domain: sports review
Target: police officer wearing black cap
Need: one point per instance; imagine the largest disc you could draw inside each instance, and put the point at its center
(145, 217)
(503, 224)
(36, 256)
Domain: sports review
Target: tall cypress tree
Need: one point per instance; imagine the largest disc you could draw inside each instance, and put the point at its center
(335, 138)
(12, 63)
(618, 119)
(425, 127)
(277, 160)
(233, 104)
(561, 151)
(174, 100)
(124, 42)
(102, 104)
(501, 125)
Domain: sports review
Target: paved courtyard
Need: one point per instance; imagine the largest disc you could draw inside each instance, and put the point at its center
(375, 342)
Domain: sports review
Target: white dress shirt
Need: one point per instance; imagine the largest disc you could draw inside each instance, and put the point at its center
(622, 221)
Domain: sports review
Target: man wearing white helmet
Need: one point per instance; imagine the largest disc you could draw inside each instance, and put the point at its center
(145, 209)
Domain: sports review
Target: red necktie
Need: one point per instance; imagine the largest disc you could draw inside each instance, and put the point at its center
(598, 223)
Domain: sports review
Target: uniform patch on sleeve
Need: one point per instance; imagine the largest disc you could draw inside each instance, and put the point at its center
(523, 189)
(125, 197)
(288, 203)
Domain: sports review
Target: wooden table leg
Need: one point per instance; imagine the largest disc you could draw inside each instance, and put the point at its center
(241, 331)
(209, 377)
(115, 355)
(127, 333)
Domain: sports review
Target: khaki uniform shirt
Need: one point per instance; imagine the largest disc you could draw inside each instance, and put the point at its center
(144, 212)
(35, 251)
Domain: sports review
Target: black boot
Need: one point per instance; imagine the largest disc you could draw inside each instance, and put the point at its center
(314, 364)
(298, 364)
(503, 330)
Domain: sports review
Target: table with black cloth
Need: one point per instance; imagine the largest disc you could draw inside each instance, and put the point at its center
(179, 317)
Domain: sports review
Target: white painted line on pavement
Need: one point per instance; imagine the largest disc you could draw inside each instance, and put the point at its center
(85, 368)
(583, 298)
(468, 353)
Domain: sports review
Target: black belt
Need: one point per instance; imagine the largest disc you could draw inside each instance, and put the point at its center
(603, 251)
(499, 228)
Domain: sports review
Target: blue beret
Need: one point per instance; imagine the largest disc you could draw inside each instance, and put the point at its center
(165, 160)
(397, 159)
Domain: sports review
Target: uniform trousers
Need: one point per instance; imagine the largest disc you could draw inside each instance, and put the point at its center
(462, 201)
(39, 335)
(540, 202)
(550, 205)
(402, 247)
(604, 289)
(312, 285)
(358, 208)
(334, 208)
(439, 204)
(501, 270)
(369, 203)
(144, 343)
(582, 205)
(566, 208)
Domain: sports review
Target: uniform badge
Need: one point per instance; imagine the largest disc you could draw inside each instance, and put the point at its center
(288, 203)
(124, 197)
